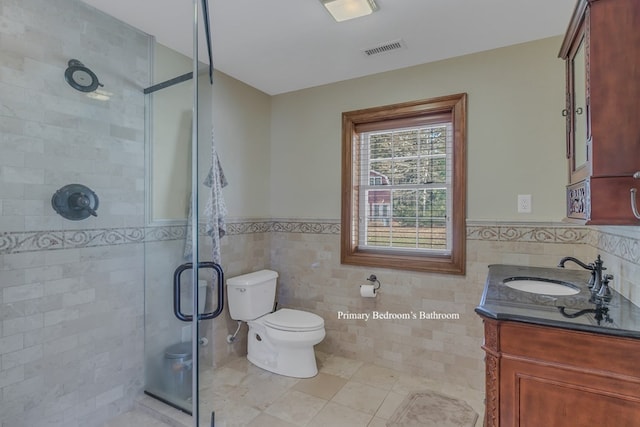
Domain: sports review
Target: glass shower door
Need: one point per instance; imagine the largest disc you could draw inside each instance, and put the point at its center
(169, 360)
(179, 123)
(182, 288)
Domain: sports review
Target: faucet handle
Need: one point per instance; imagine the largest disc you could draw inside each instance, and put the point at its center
(592, 279)
(604, 292)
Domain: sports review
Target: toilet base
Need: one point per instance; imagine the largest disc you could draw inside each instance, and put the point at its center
(294, 360)
(297, 363)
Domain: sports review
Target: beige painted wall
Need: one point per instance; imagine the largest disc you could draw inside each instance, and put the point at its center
(281, 154)
(515, 132)
(241, 130)
(170, 138)
(242, 123)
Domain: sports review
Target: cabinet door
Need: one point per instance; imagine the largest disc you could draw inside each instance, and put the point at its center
(539, 394)
(578, 112)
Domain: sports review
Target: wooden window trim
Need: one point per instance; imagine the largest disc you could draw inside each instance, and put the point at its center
(454, 263)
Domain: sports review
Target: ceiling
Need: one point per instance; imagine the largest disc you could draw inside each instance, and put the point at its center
(280, 46)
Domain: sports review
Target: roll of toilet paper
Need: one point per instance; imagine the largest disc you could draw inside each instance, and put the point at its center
(367, 291)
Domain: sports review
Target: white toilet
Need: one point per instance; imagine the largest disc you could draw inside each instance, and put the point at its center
(281, 341)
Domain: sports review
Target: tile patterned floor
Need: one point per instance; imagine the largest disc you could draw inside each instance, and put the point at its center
(345, 392)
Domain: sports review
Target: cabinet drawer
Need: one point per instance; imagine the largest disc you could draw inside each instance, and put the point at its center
(582, 350)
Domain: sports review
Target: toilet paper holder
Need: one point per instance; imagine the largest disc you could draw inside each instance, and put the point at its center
(374, 280)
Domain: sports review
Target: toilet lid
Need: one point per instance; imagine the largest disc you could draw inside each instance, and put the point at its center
(293, 320)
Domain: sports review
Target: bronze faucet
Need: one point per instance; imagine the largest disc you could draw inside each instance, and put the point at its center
(595, 267)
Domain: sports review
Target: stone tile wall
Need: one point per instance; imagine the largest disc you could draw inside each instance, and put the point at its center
(312, 278)
(71, 293)
(53, 135)
(64, 327)
(71, 344)
(620, 250)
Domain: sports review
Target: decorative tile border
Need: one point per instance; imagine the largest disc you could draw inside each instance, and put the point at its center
(34, 241)
(624, 247)
(306, 227)
(16, 242)
(283, 226)
(102, 237)
(627, 248)
(528, 232)
(30, 241)
(168, 232)
(248, 227)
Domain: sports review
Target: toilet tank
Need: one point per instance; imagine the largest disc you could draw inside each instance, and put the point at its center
(251, 295)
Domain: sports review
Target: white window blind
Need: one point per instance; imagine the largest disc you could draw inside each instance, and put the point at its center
(403, 183)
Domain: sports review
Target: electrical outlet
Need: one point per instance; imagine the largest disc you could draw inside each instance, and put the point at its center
(524, 203)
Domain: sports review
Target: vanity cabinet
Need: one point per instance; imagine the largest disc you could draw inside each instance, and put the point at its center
(601, 49)
(553, 377)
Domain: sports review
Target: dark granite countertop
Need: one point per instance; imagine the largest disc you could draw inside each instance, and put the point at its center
(501, 302)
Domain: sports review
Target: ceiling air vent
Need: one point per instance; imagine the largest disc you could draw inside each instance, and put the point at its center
(385, 47)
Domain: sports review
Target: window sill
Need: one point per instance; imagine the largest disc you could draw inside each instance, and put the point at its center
(443, 264)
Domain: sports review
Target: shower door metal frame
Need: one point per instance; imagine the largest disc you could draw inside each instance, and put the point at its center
(195, 333)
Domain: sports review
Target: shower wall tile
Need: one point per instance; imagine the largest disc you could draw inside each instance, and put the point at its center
(53, 135)
(12, 223)
(71, 292)
(10, 191)
(12, 158)
(84, 337)
(23, 292)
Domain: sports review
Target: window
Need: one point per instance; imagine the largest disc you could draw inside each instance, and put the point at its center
(404, 186)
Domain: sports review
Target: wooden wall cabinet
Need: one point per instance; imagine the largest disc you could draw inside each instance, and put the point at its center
(544, 376)
(601, 49)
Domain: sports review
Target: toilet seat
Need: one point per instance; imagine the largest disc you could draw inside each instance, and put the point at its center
(286, 319)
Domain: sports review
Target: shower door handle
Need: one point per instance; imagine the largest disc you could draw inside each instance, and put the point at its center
(219, 275)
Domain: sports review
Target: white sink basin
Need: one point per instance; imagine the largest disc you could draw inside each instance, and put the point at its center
(541, 286)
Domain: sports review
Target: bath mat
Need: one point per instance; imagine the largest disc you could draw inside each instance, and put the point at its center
(431, 409)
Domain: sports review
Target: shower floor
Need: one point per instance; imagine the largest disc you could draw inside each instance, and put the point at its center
(345, 392)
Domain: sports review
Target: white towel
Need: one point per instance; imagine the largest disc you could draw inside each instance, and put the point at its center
(215, 210)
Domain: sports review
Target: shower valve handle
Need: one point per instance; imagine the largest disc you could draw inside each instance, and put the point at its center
(75, 202)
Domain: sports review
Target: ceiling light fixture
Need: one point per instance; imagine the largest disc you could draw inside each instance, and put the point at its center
(342, 10)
